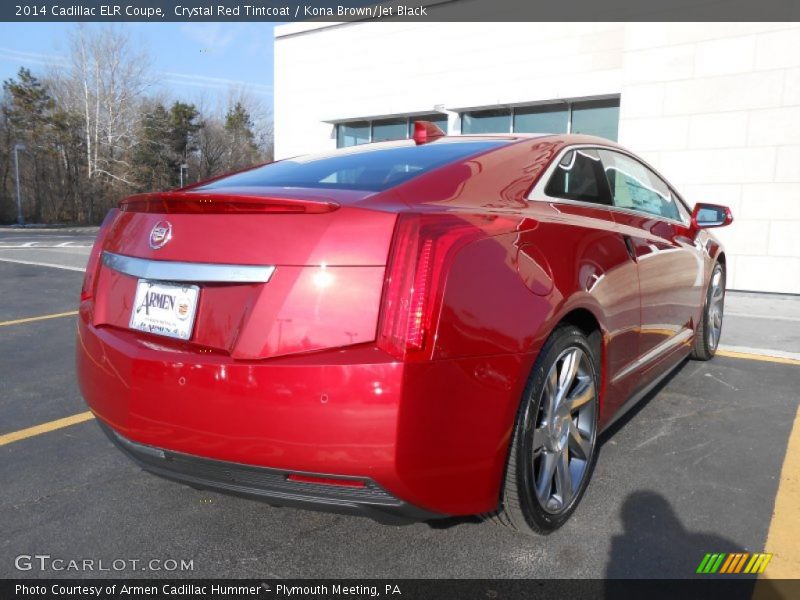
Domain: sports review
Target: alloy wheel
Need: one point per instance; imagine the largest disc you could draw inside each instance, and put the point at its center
(565, 431)
(716, 305)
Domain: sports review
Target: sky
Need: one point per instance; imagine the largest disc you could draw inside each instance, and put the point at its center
(190, 61)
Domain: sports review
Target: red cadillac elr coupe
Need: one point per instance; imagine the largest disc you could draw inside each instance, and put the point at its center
(431, 327)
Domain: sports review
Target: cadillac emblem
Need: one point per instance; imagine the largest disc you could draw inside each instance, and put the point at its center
(160, 234)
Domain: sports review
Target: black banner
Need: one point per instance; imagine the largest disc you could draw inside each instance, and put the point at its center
(411, 589)
(403, 10)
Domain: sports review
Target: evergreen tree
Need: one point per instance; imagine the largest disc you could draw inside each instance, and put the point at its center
(184, 127)
(242, 149)
(153, 159)
(29, 118)
(30, 103)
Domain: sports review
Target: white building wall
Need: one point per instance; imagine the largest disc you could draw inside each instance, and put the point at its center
(364, 70)
(715, 107)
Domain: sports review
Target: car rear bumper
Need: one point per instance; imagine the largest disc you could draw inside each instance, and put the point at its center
(270, 485)
(433, 436)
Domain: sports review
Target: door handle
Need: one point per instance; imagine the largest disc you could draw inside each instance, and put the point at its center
(631, 248)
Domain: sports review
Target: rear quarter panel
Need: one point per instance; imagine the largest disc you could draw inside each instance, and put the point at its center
(500, 303)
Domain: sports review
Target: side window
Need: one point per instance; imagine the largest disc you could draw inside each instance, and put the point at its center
(636, 187)
(579, 176)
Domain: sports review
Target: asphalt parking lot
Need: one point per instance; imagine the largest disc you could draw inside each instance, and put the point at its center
(695, 469)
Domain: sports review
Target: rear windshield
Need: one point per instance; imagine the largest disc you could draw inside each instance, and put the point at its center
(358, 169)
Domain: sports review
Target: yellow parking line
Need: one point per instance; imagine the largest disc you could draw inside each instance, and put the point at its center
(71, 313)
(22, 434)
(762, 357)
(784, 530)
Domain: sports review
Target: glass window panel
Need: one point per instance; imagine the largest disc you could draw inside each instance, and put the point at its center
(352, 134)
(369, 168)
(389, 129)
(634, 186)
(552, 118)
(684, 212)
(599, 118)
(579, 176)
(486, 121)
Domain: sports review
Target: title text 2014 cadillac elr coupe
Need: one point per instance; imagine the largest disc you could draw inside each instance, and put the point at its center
(430, 327)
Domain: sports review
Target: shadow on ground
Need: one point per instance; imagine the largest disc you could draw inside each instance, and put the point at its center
(655, 542)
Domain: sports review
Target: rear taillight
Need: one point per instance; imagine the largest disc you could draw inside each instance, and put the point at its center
(93, 265)
(421, 251)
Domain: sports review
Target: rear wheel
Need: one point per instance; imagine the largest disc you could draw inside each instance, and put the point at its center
(709, 328)
(553, 450)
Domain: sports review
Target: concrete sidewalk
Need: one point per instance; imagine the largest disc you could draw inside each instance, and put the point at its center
(756, 321)
(36, 228)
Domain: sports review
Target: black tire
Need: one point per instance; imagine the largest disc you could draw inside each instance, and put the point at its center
(520, 508)
(705, 345)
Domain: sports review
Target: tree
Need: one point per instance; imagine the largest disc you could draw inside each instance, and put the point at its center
(28, 115)
(93, 134)
(152, 159)
(104, 84)
(7, 212)
(242, 150)
(238, 136)
(211, 148)
(184, 127)
(165, 140)
(30, 102)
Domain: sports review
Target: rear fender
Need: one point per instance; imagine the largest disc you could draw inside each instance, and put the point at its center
(584, 311)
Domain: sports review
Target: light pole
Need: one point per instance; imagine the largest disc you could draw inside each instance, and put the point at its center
(184, 166)
(17, 148)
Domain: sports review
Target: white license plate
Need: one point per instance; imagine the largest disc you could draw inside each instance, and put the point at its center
(164, 308)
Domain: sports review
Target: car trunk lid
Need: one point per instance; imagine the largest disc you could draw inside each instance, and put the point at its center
(325, 257)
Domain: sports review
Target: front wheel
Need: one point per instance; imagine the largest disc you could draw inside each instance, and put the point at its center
(553, 450)
(709, 329)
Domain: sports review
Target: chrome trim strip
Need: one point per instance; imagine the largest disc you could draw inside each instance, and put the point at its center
(662, 348)
(164, 270)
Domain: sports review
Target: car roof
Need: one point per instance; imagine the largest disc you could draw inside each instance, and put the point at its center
(564, 138)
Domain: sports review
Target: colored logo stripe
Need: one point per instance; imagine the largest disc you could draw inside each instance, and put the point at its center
(734, 563)
(710, 563)
(758, 563)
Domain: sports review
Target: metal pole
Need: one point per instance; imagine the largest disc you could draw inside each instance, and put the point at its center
(184, 166)
(17, 148)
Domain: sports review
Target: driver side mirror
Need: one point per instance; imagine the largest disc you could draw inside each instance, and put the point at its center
(705, 216)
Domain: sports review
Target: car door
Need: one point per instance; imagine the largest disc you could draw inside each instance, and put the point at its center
(577, 193)
(655, 225)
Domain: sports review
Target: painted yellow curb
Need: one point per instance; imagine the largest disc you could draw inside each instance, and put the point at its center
(762, 357)
(783, 539)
